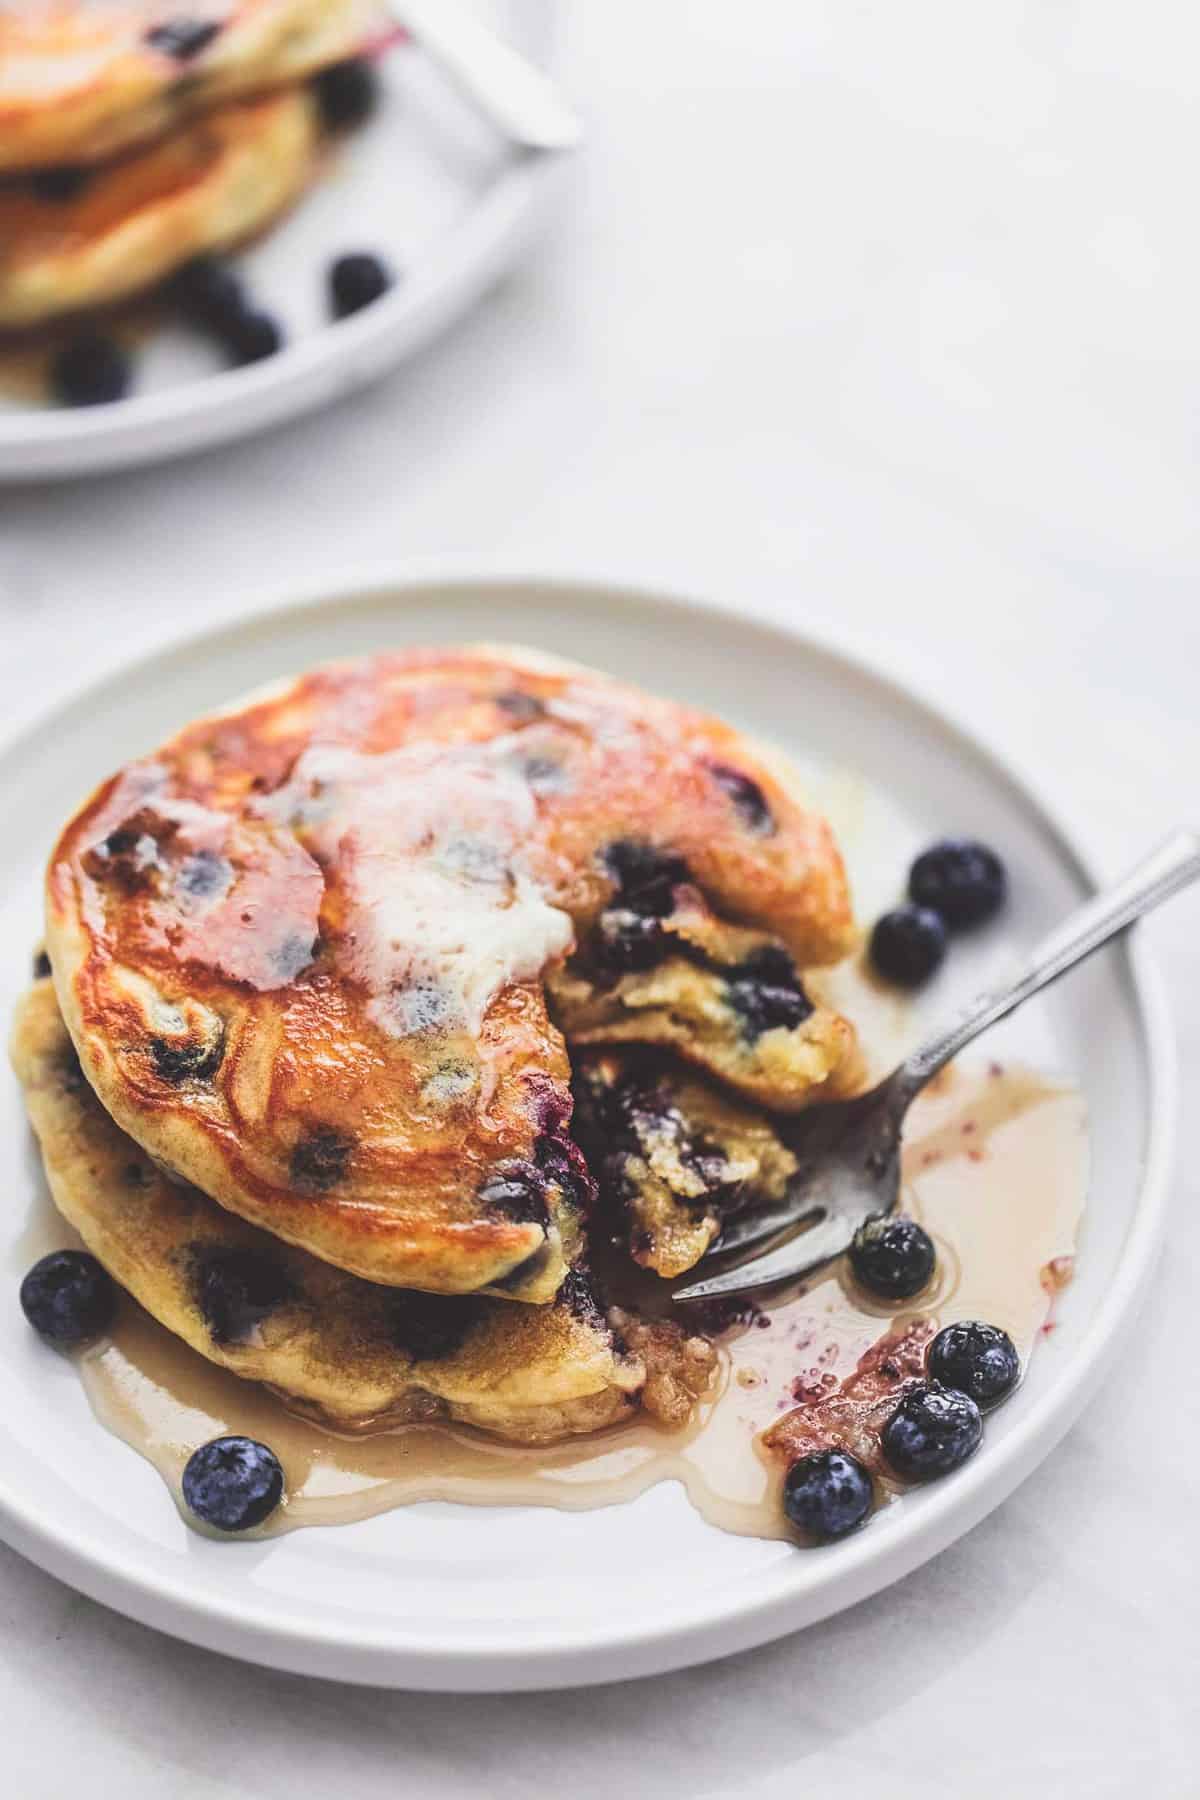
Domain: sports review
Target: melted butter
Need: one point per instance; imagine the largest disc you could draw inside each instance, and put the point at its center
(444, 910)
(995, 1167)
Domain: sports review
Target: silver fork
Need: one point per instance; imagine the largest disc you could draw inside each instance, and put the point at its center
(850, 1149)
(516, 97)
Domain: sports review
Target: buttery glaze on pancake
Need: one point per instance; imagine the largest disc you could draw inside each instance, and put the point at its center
(203, 189)
(350, 1353)
(81, 80)
(302, 950)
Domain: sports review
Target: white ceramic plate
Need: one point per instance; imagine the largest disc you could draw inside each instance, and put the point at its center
(424, 184)
(462, 1598)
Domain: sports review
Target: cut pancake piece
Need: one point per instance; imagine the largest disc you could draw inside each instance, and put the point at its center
(658, 967)
(303, 950)
(350, 1353)
(673, 1157)
(206, 188)
(83, 80)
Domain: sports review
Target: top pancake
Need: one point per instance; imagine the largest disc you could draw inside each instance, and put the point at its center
(81, 80)
(302, 949)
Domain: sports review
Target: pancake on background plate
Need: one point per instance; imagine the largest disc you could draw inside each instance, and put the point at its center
(308, 950)
(81, 80)
(353, 1354)
(205, 188)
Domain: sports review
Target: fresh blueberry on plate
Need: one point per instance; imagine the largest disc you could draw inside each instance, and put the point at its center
(356, 281)
(91, 371)
(933, 1430)
(960, 879)
(977, 1359)
(827, 1494)
(347, 92)
(209, 292)
(908, 945)
(68, 1297)
(250, 337)
(892, 1255)
(233, 1483)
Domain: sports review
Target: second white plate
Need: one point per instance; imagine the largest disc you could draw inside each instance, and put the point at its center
(424, 184)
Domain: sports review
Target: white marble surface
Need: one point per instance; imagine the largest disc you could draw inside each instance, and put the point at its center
(875, 313)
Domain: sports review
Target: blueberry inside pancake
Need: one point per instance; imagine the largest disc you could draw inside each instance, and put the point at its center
(673, 1156)
(660, 967)
(328, 955)
(349, 1352)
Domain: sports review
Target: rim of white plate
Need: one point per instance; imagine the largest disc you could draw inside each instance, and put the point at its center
(863, 1565)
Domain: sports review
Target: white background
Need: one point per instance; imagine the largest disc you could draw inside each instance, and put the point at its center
(880, 314)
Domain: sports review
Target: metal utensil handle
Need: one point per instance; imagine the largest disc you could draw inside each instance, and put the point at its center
(518, 99)
(1174, 865)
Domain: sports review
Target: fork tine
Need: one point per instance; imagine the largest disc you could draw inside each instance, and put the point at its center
(757, 1227)
(797, 1257)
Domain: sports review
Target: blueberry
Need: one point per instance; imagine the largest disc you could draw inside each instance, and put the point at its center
(579, 1298)
(518, 1191)
(91, 371)
(319, 1160)
(68, 1297)
(765, 991)
(625, 940)
(763, 1008)
(237, 1289)
(520, 707)
(182, 37)
(60, 185)
(977, 1359)
(41, 966)
(187, 1059)
(250, 337)
(430, 1326)
(963, 881)
(646, 877)
(207, 291)
(355, 281)
(347, 92)
(932, 1431)
(233, 1483)
(827, 1494)
(908, 945)
(749, 801)
(892, 1255)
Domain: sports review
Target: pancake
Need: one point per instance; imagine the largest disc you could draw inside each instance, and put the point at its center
(82, 80)
(205, 188)
(727, 999)
(673, 1156)
(347, 1352)
(303, 949)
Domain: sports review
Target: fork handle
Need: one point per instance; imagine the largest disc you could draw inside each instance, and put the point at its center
(1174, 865)
(518, 99)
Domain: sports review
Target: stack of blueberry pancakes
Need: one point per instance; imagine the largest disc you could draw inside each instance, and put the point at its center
(371, 1003)
(138, 135)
